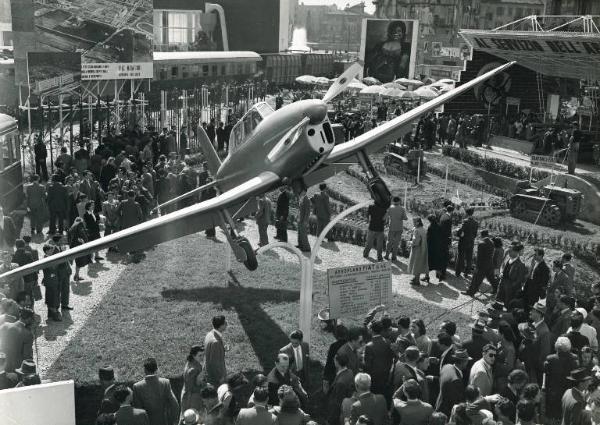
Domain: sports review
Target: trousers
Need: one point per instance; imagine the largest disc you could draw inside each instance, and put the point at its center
(374, 240)
(394, 238)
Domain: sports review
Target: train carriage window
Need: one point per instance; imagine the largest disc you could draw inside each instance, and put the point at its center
(247, 68)
(205, 70)
(174, 72)
(223, 69)
(215, 70)
(240, 68)
(184, 72)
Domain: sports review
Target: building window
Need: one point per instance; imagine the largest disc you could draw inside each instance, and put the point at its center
(177, 28)
(205, 70)
(195, 70)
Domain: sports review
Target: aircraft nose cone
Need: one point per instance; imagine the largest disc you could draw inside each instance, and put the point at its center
(317, 113)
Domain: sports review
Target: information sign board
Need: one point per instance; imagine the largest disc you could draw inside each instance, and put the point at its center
(354, 290)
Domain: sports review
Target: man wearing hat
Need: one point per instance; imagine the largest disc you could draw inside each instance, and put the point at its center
(586, 330)
(513, 275)
(542, 344)
(109, 403)
(475, 344)
(397, 215)
(573, 400)
(7, 380)
(27, 370)
(484, 266)
(560, 280)
(537, 279)
(16, 340)
(22, 257)
(466, 242)
(452, 387)
(35, 195)
(127, 414)
(561, 323)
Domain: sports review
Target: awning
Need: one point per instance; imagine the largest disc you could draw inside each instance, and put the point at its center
(559, 54)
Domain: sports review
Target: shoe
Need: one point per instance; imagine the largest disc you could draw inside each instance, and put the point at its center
(468, 294)
(66, 307)
(57, 317)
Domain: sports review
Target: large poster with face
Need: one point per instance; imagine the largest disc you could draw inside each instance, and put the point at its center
(388, 48)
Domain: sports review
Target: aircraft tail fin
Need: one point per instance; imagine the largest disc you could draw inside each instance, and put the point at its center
(209, 151)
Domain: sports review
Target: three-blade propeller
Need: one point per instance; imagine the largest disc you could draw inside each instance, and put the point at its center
(342, 81)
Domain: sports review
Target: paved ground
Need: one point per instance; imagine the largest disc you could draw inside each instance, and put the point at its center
(53, 338)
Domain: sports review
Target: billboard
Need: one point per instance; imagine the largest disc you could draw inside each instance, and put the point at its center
(567, 55)
(52, 403)
(113, 37)
(389, 48)
(48, 71)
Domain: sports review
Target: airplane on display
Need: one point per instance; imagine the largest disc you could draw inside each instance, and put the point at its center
(293, 146)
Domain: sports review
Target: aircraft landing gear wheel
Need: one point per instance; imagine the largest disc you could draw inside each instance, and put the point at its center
(380, 192)
(251, 263)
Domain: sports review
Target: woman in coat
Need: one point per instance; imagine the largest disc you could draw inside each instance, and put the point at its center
(77, 236)
(193, 380)
(417, 262)
(435, 249)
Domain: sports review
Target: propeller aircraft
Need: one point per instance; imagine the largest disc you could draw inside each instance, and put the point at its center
(294, 146)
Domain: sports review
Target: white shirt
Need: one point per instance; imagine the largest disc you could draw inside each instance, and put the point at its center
(298, 356)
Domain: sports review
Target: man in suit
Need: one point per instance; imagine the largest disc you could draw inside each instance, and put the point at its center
(214, 352)
(466, 241)
(452, 387)
(8, 232)
(481, 375)
(40, 153)
(342, 387)
(445, 348)
(329, 371)
(127, 414)
(35, 195)
(561, 324)
(281, 375)
(537, 280)
(16, 340)
(303, 222)
(397, 215)
(57, 198)
(484, 266)
(350, 349)
(298, 352)
(322, 208)
(22, 257)
(517, 379)
(375, 236)
(560, 281)
(109, 404)
(573, 401)
(258, 414)
(542, 343)
(446, 227)
(7, 380)
(568, 267)
(263, 219)
(413, 411)
(405, 368)
(130, 211)
(282, 211)
(371, 405)
(377, 359)
(513, 275)
(474, 346)
(155, 396)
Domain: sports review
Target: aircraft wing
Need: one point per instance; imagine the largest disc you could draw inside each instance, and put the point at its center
(386, 133)
(180, 223)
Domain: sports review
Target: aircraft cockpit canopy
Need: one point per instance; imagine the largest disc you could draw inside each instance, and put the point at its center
(244, 127)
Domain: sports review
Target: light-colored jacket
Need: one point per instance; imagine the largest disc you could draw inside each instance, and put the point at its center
(481, 377)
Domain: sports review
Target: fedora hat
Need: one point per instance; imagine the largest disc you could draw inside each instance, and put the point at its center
(579, 375)
(527, 330)
(27, 368)
(461, 354)
(541, 307)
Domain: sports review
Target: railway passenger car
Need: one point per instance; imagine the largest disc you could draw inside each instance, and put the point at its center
(187, 70)
(11, 173)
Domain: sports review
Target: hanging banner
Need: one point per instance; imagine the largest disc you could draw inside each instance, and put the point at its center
(116, 71)
(559, 54)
